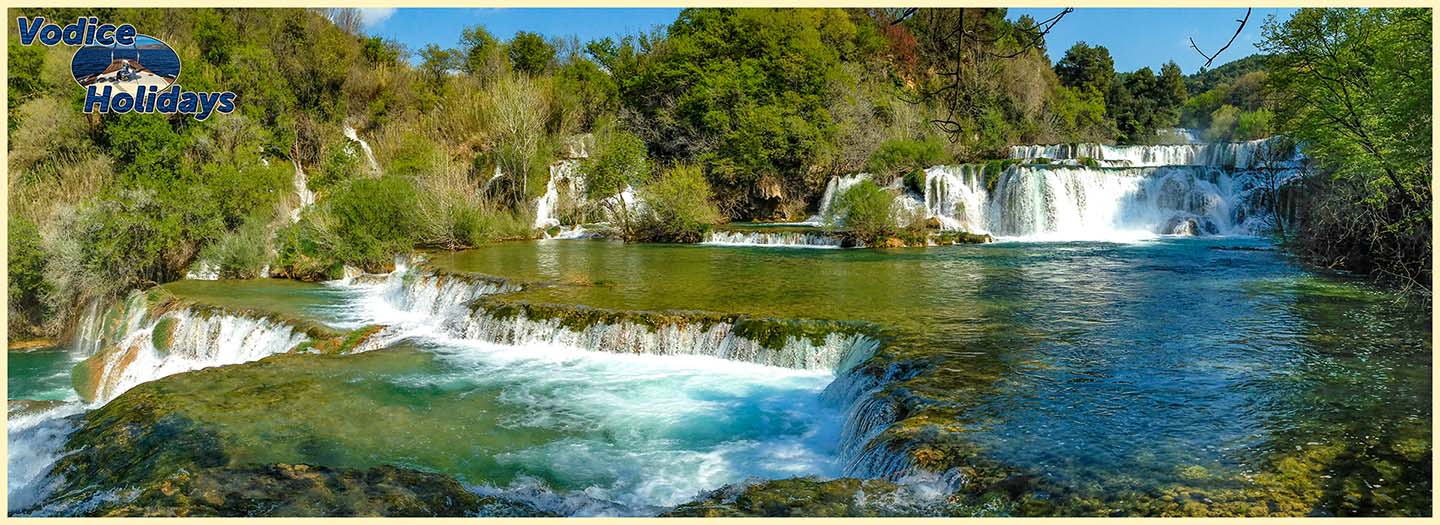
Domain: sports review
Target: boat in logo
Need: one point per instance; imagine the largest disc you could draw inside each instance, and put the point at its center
(127, 74)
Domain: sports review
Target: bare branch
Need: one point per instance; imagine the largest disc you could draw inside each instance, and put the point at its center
(1209, 59)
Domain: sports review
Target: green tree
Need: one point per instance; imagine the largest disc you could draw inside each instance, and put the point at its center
(865, 209)
(481, 53)
(28, 289)
(530, 53)
(620, 162)
(1354, 86)
(1086, 66)
(745, 93)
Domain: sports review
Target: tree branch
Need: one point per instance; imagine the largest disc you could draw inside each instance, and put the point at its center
(1209, 59)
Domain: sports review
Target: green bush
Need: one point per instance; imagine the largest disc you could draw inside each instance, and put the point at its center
(1256, 124)
(242, 253)
(374, 219)
(620, 161)
(897, 156)
(865, 211)
(28, 288)
(677, 207)
(341, 163)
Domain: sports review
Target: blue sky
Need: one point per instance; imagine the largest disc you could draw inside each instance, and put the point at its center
(1135, 37)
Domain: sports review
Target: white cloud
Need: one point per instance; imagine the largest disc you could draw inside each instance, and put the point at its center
(371, 17)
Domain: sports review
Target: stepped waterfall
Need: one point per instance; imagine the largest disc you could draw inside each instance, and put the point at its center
(1100, 192)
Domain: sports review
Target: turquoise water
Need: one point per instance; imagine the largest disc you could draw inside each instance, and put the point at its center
(41, 374)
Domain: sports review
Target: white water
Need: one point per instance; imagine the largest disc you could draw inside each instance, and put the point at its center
(197, 341)
(673, 411)
(353, 135)
(1270, 152)
(834, 188)
(302, 193)
(564, 177)
(772, 239)
(1194, 190)
(34, 442)
(694, 407)
(203, 271)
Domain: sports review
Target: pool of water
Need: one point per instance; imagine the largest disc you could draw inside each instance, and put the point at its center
(598, 433)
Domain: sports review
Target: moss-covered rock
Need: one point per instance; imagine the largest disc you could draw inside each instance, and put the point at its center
(770, 333)
(143, 455)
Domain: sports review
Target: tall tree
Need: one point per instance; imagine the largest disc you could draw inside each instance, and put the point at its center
(1354, 85)
(530, 53)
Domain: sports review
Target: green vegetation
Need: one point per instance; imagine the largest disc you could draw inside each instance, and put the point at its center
(677, 207)
(865, 211)
(757, 107)
(909, 157)
(1357, 93)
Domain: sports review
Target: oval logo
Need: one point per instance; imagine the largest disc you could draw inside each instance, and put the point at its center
(150, 62)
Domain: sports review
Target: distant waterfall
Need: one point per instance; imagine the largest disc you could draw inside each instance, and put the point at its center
(834, 188)
(1183, 189)
(789, 239)
(351, 134)
(302, 192)
(1270, 152)
(564, 179)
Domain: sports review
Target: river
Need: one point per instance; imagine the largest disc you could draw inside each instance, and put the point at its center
(1118, 370)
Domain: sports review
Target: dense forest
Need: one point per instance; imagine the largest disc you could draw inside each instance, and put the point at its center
(726, 114)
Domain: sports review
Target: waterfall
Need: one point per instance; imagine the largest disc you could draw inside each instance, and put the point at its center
(1224, 192)
(178, 340)
(1268, 152)
(565, 177)
(722, 339)
(835, 187)
(203, 271)
(353, 135)
(447, 305)
(956, 196)
(302, 192)
(788, 239)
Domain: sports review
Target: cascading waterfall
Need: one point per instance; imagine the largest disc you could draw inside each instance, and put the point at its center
(718, 339)
(302, 192)
(789, 239)
(176, 341)
(956, 196)
(353, 135)
(1181, 189)
(564, 176)
(835, 187)
(1274, 152)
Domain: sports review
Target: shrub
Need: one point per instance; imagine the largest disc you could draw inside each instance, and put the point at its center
(28, 288)
(865, 210)
(901, 156)
(371, 221)
(242, 253)
(341, 162)
(620, 161)
(676, 207)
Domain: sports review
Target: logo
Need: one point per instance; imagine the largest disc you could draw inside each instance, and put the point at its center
(123, 71)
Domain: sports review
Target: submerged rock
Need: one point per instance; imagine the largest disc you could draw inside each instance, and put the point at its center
(150, 452)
